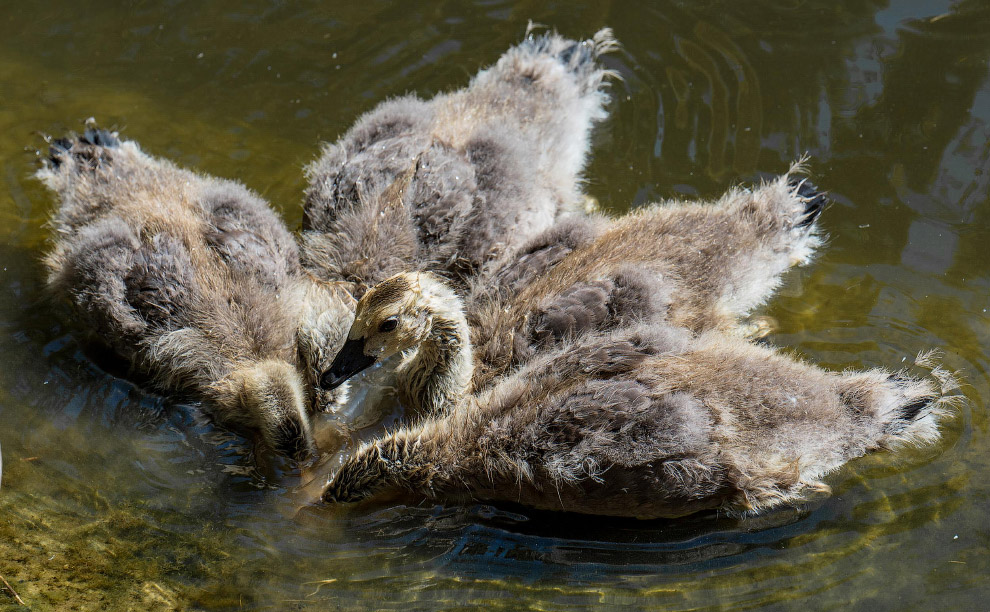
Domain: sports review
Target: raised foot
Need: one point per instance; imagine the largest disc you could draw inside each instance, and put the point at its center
(815, 200)
(84, 147)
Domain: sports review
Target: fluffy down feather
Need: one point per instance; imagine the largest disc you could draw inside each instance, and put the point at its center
(450, 183)
(699, 265)
(193, 280)
(646, 421)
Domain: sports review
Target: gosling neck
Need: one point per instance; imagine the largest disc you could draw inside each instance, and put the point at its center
(439, 374)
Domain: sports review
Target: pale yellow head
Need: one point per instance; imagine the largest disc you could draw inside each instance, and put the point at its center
(393, 316)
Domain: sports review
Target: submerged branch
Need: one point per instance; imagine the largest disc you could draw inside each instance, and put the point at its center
(13, 592)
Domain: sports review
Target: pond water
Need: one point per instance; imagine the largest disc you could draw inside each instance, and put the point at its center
(114, 498)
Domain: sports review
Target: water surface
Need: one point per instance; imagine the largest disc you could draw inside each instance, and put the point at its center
(114, 498)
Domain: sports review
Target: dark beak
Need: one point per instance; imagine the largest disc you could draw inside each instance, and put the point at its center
(348, 362)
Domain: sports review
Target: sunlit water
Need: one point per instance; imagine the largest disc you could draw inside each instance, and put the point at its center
(115, 498)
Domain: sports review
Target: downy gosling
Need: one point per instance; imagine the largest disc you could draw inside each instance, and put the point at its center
(194, 281)
(449, 184)
(647, 420)
(702, 265)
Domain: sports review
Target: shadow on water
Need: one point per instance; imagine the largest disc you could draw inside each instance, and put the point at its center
(115, 498)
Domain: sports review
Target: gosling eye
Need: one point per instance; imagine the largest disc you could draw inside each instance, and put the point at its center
(389, 324)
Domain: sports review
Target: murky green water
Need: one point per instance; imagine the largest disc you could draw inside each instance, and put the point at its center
(114, 498)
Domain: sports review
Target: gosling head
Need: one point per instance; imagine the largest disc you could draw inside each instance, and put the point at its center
(271, 394)
(393, 316)
(326, 311)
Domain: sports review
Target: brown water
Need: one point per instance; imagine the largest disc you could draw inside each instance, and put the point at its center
(114, 498)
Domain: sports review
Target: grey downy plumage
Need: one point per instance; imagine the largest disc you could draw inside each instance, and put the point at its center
(699, 265)
(449, 183)
(193, 280)
(646, 420)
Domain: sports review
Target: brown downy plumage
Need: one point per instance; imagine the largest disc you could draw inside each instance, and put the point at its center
(449, 183)
(194, 281)
(701, 265)
(648, 420)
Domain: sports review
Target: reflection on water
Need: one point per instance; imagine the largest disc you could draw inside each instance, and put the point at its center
(115, 498)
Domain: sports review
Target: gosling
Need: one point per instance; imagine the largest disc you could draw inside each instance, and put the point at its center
(193, 280)
(645, 421)
(450, 183)
(699, 265)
